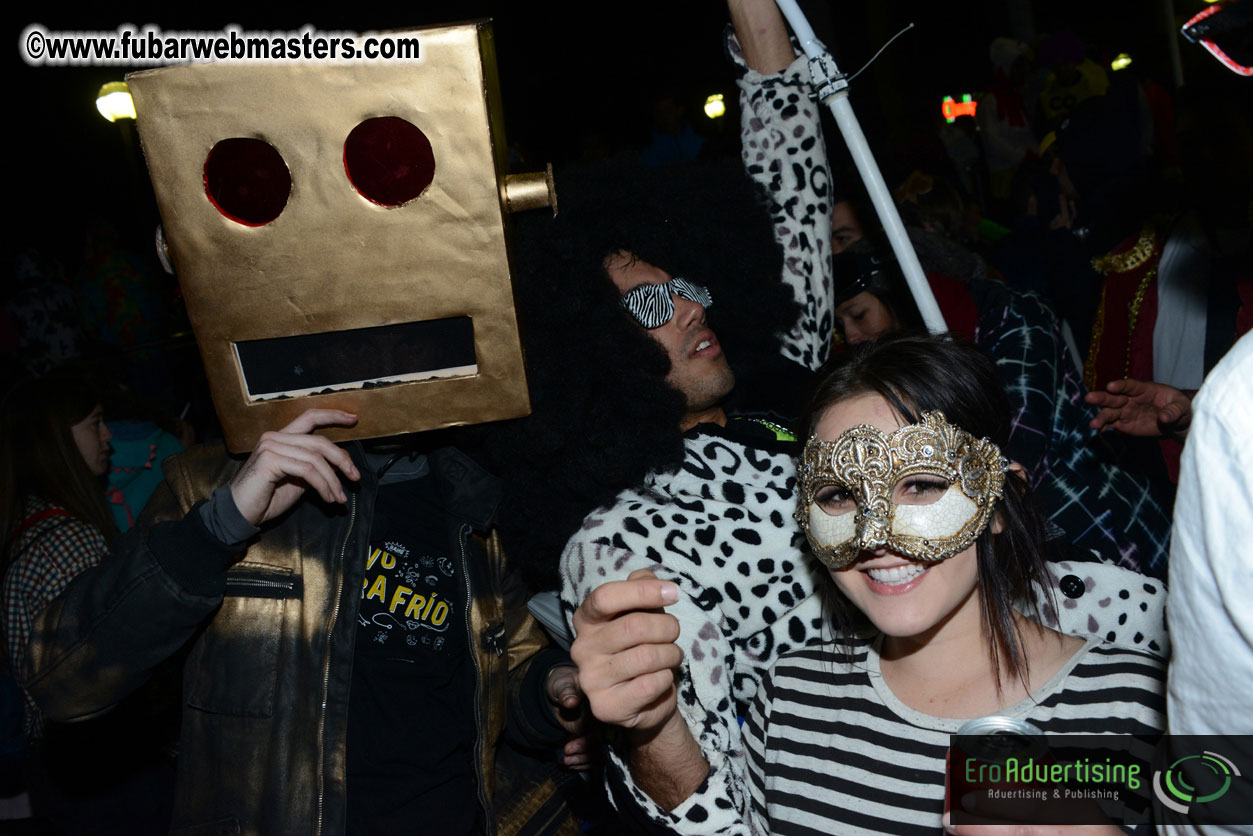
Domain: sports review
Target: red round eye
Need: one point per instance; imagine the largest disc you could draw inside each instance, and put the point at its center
(247, 180)
(389, 160)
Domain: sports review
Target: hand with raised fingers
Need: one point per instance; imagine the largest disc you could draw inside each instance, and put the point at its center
(1142, 408)
(287, 463)
(626, 653)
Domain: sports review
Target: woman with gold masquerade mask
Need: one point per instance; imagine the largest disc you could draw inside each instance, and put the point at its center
(1081, 484)
(932, 545)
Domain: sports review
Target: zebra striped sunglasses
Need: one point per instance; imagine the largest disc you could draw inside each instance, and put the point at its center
(652, 306)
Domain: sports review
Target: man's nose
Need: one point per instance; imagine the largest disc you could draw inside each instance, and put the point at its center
(686, 312)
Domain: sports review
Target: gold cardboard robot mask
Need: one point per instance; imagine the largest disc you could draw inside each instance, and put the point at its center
(339, 230)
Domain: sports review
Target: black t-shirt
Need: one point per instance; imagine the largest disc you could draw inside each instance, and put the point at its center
(411, 727)
(773, 387)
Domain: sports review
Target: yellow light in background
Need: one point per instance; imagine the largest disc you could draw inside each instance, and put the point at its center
(1121, 62)
(714, 106)
(114, 101)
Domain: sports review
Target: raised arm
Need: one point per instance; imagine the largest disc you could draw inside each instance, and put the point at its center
(784, 153)
(762, 34)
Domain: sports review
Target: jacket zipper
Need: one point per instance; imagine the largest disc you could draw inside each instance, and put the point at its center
(326, 665)
(260, 583)
(489, 824)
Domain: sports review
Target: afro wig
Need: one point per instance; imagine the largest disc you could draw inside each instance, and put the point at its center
(603, 416)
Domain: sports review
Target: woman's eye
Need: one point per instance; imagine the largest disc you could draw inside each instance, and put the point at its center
(924, 490)
(833, 498)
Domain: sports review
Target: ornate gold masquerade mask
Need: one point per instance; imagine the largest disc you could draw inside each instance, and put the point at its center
(925, 491)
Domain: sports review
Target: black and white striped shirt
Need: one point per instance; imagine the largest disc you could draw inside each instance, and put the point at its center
(832, 750)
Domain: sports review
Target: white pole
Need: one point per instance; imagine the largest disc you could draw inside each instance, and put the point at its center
(833, 91)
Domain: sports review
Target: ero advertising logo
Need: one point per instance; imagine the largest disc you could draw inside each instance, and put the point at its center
(1194, 779)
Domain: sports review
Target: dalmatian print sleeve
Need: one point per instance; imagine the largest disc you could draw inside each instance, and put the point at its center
(784, 153)
(1108, 602)
(720, 527)
(704, 693)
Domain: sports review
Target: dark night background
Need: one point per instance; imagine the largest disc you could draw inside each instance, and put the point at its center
(569, 71)
(577, 80)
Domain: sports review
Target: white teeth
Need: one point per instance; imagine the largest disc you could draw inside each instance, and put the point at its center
(897, 575)
(703, 344)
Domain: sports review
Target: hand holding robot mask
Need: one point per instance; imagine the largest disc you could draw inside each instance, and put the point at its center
(340, 234)
(850, 491)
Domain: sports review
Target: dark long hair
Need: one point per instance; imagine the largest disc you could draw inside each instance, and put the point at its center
(922, 373)
(38, 456)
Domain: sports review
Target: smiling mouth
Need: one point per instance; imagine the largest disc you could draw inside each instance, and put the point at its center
(896, 575)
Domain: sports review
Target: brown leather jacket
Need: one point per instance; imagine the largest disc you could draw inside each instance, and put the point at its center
(270, 636)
